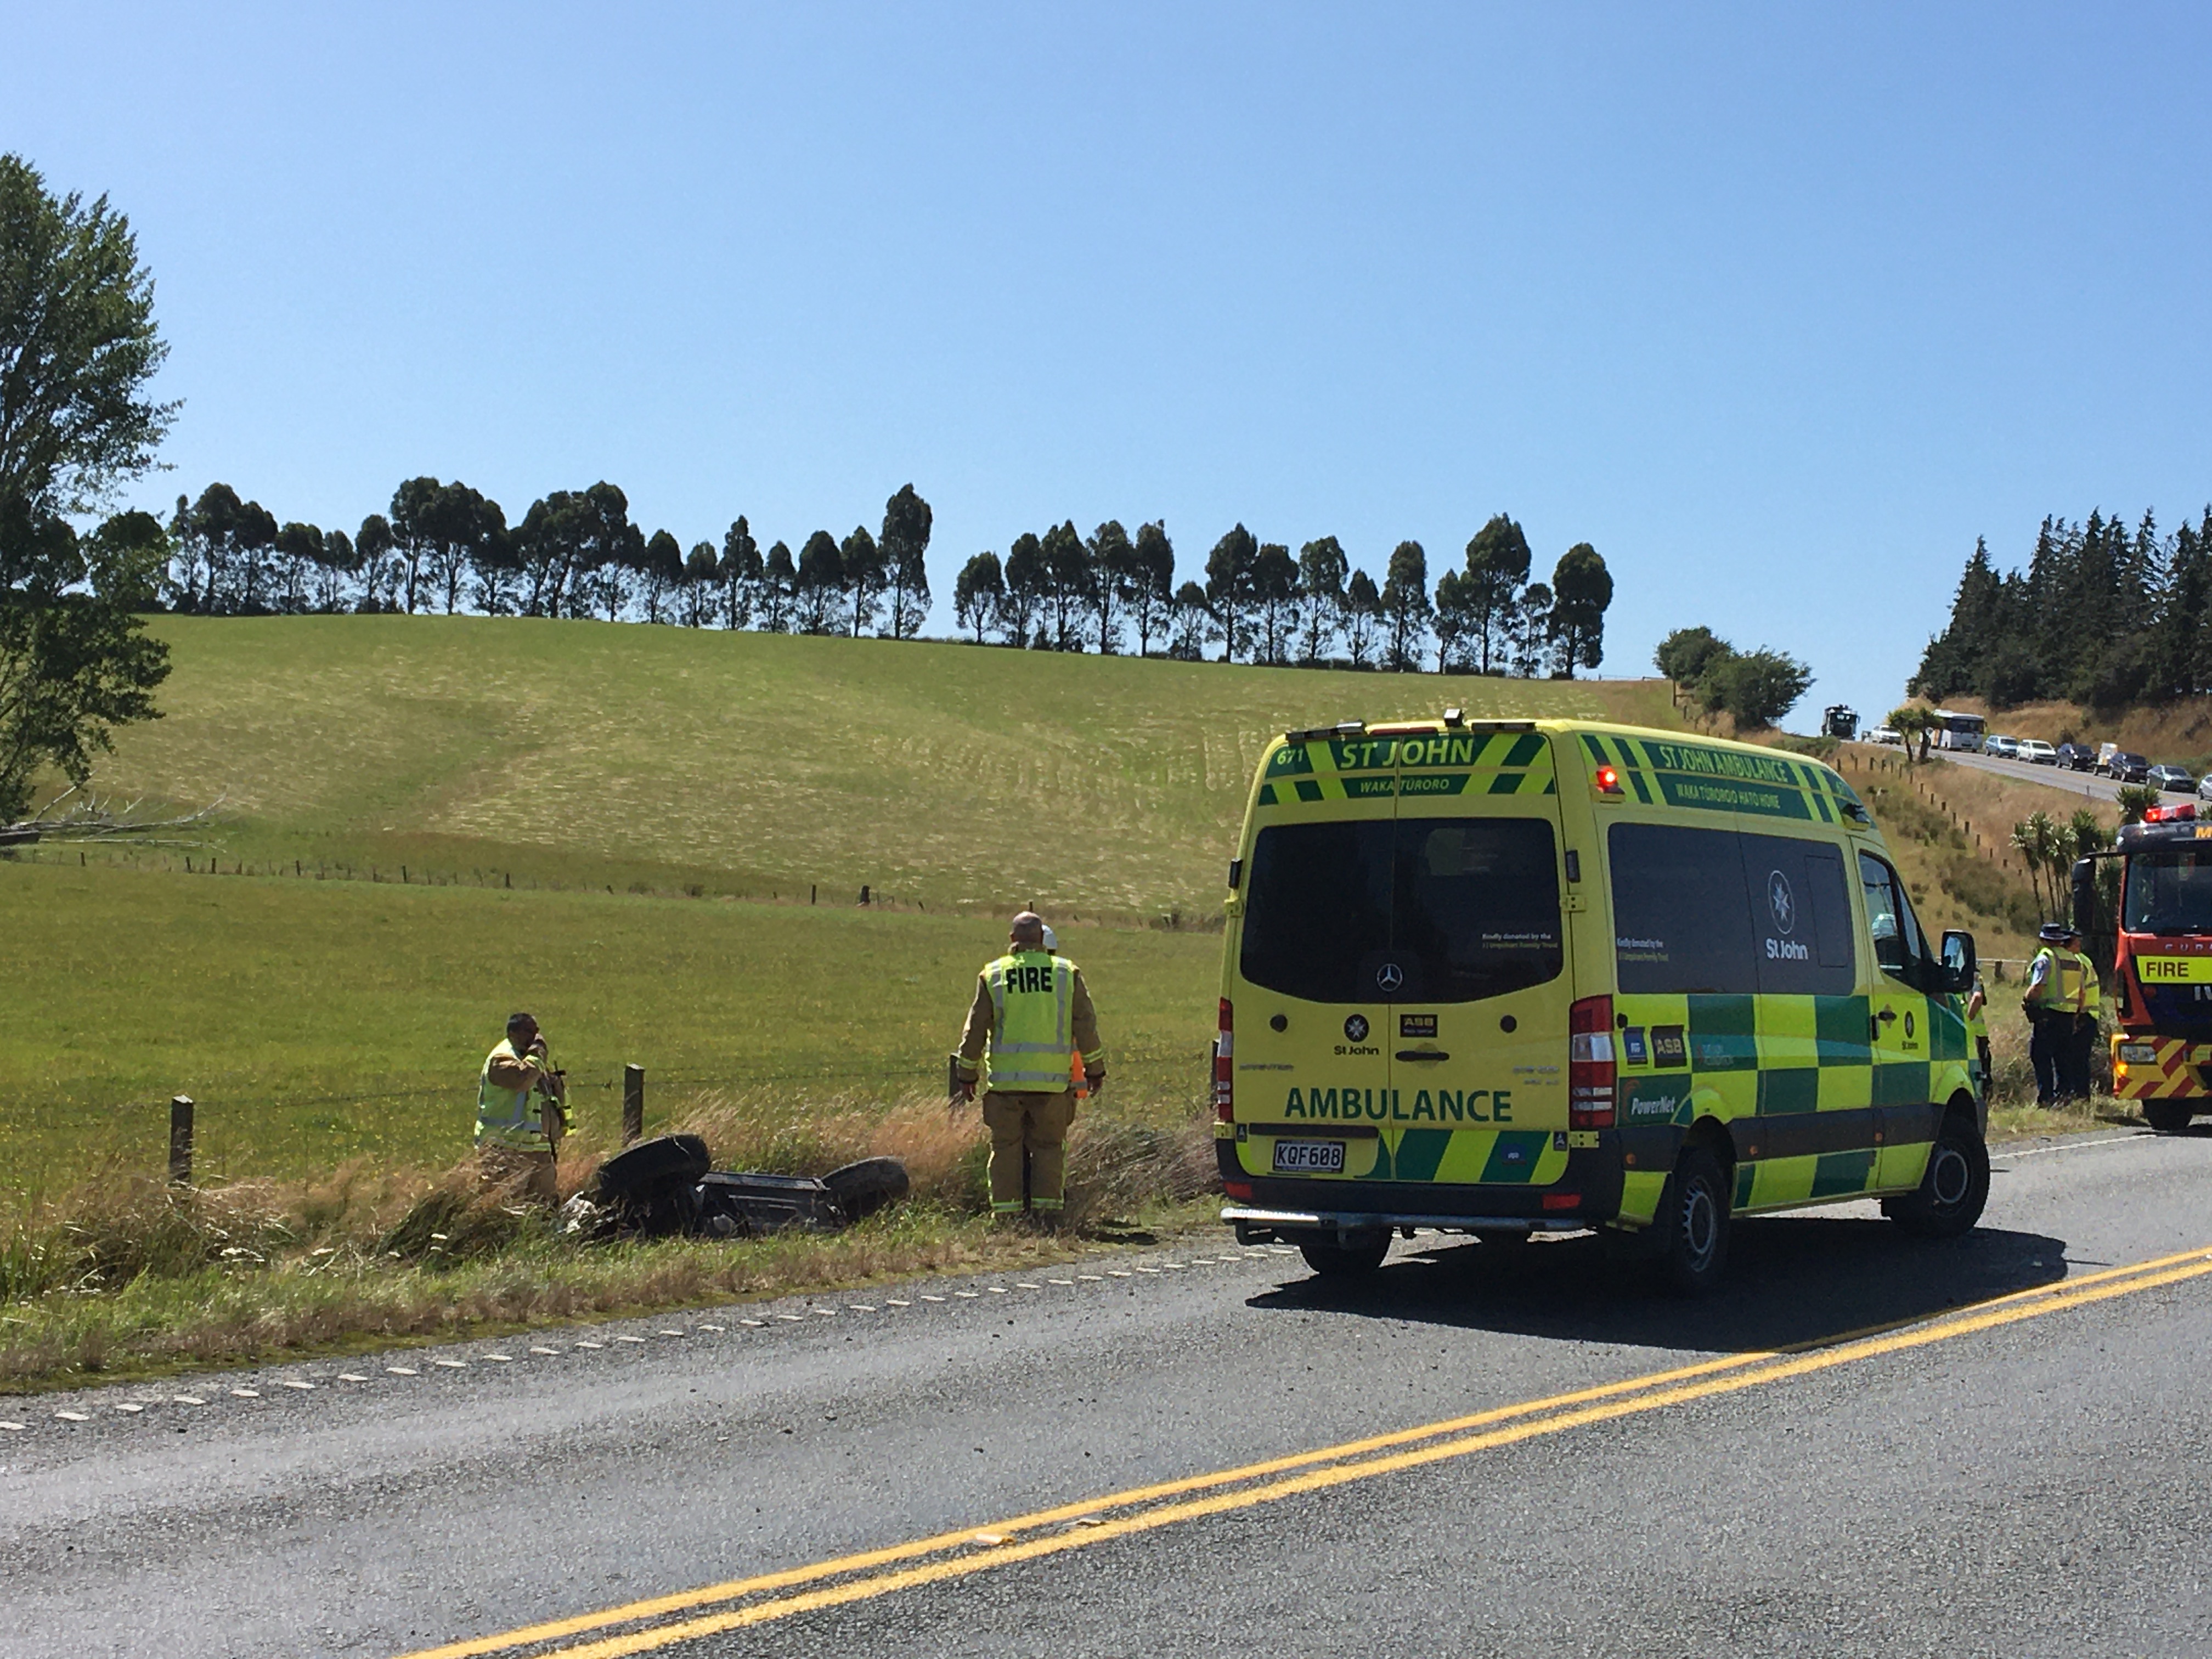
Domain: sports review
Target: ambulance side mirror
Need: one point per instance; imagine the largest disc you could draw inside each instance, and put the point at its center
(1958, 963)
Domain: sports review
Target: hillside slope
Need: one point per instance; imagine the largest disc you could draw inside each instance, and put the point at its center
(572, 754)
(2179, 734)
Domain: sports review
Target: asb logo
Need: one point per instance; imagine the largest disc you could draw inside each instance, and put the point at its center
(1355, 1028)
(1388, 977)
(1782, 902)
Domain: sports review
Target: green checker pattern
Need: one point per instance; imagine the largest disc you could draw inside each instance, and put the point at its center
(1774, 1055)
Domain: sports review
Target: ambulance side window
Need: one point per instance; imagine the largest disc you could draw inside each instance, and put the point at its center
(1681, 918)
(1898, 945)
(1801, 913)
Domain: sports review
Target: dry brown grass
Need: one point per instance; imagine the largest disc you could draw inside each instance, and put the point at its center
(2179, 734)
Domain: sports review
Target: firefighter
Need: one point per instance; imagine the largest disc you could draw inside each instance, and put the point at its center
(2060, 1002)
(522, 1112)
(1030, 1020)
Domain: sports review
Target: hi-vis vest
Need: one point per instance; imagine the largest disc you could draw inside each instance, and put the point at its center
(1032, 1047)
(2071, 987)
(505, 1116)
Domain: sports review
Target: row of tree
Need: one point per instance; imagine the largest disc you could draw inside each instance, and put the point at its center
(1065, 591)
(576, 553)
(2103, 615)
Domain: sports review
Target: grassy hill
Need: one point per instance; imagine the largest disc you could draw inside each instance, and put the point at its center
(575, 754)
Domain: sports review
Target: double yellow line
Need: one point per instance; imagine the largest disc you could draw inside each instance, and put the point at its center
(1043, 1533)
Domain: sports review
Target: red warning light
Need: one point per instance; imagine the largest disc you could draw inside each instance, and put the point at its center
(1608, 780)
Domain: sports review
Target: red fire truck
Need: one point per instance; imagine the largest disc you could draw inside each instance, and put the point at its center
(2159, 919)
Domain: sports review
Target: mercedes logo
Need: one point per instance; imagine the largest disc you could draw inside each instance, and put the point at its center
(1388, 977)
(1781, 901)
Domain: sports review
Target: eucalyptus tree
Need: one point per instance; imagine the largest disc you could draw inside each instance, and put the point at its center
(905, 544)
(1027, 582)
(860, 560)
(1363, 618)
(979, 594)
(1274, 602)
(821, 586)
(1496, 564)
(1405, 603)
(702, 574)
(742, 574)
(1322, 570)
(1229, 587)
(1151, 596)
(1581, 590)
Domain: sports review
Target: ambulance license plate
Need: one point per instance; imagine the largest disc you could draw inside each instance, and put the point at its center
(1308, 1157)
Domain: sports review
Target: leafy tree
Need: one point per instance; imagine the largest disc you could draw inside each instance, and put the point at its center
(1067, 579)
(301, 547)
(1229, 587)
(414, 505)
(548, 545)
(1027, 583)
(1685, 654)
(1455, 622)
(821, 583)
(660, 570)
(338, 564)
(979, 593)
(1757, 687)
(702, 582)
(203, 532)
(1496, 565)
(743, 573)
(1194, 623)
(1582, 591)
(126, 557)
(1322, 570)
(1405, 603)
(78, 348)
(861, 559)
(610, 549)
(779, 590)
(372, 546)
(1364, 615)
(1150, 592)
(1535, 620)
(905, 542)
(1274, 602)
(1112, 561)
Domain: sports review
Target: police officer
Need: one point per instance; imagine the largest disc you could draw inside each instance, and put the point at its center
(1031, 1019)
(2060, 1002)
(519, 1137)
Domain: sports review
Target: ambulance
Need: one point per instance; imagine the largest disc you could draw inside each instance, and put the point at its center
(1503, 977)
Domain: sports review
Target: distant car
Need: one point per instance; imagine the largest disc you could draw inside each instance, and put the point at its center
(2003, 748)
(2104, 753)
(2205, 787)
(2036, 752)
(2077, 756)
(2171, 779)
(1885, 734)
(2124, 768)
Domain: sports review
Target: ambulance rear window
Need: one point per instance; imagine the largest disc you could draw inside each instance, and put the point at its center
(1463, 908)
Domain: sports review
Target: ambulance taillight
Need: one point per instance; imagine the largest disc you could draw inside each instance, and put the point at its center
(1224, 1078)
(1590, 1067)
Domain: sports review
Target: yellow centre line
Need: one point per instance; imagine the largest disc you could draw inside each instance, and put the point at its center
(1329, 1467)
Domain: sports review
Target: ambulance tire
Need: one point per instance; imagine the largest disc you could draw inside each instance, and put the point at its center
(1691, 1230)
(1955, 1188)
(1359, 1253)
(866, 1186)
(2168, 1117)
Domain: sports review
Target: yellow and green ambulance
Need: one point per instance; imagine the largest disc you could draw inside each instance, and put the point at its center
(1504, 976)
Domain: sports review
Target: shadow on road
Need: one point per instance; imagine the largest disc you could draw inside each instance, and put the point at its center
(1791, 1279)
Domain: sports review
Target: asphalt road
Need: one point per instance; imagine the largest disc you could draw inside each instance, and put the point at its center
(2089, 784)
(983, 1473)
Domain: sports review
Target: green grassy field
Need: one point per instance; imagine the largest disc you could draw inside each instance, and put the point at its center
(577, 754)
(316, 1021)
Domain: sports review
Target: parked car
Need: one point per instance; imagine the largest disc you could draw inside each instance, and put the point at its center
(2104, 753)
(2171, 779)
(2036, 752)
(2205, 787)
(2124, 768)
(2003, 748)
(1885, 734)
(2077, 757)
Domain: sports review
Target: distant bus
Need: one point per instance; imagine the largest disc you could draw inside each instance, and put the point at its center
(1959, 731)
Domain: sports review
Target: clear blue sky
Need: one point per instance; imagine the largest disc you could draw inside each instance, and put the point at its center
(1779, 307)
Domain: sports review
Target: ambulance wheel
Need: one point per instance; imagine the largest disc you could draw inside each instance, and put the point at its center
(2168, 1117)
(1692, 1228)
(1953, 1190)
(1358, 1253)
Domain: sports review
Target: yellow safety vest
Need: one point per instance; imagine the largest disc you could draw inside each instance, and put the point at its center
(505, 1116)
(2070, 987)
(2092, 994)
(1032, 1045)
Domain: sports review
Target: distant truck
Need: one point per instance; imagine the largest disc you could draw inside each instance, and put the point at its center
(2161, 961)
(1837, 720)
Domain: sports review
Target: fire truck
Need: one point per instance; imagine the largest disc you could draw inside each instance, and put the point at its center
(2156, 919)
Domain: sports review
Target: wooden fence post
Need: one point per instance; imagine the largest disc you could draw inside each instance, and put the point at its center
(633, 1103)
(180, 1140)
